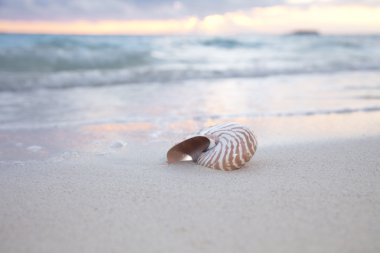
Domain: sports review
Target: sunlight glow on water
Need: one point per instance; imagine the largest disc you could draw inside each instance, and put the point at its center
(92, 94)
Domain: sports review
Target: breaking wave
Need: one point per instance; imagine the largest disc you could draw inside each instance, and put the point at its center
(52, 61)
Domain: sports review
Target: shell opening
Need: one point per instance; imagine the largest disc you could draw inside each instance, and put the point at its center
(189, 149)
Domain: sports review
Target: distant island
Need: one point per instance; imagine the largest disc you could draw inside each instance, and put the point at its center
(305, 32)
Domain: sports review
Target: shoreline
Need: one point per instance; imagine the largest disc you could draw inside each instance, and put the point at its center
(91, 140)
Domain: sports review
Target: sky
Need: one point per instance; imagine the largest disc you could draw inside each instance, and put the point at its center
(213, 17)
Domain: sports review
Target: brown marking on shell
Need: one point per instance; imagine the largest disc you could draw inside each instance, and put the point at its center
(234, 146)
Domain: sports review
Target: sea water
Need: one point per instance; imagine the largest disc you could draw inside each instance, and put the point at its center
(163, 84)
(29, 62)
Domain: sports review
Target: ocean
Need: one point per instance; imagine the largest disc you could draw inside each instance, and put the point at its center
(160, 85)
(29, 62)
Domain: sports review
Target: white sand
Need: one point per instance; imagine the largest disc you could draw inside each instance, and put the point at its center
(320, 197)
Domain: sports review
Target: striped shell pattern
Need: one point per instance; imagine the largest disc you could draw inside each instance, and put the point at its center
(225, 147)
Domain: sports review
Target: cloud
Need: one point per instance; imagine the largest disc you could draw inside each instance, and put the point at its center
(329, 19)
(188, 16)
(120, 9)
(69, 10)
(337, 19)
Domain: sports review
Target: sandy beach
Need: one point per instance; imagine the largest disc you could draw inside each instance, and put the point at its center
(319, 196)
(86, 121)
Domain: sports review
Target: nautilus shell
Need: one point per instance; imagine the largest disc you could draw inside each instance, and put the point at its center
(224, 147)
